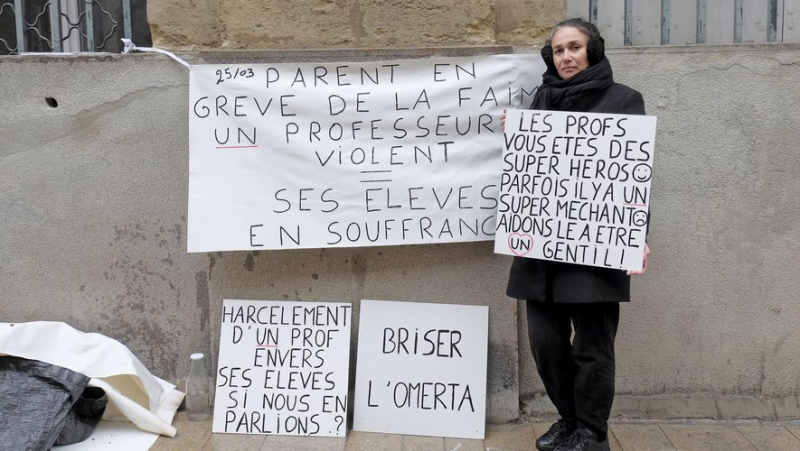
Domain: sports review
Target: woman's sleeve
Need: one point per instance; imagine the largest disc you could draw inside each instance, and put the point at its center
(633, 103)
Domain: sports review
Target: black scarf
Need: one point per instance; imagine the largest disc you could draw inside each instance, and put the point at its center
(556, 93)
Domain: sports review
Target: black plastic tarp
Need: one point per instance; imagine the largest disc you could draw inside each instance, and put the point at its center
(43, 405)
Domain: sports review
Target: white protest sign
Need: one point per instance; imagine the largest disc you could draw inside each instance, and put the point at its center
(575, 187)
(314, 155)
(421, 369)
(283, 368)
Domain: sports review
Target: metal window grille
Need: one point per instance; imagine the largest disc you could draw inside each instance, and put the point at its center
(682, 22)
(67, 25)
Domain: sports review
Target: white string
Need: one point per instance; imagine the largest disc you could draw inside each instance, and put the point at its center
(130, 47)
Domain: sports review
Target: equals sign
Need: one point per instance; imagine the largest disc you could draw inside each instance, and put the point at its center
(377, 174)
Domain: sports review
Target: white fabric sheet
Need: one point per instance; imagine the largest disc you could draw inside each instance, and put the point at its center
(134, 394)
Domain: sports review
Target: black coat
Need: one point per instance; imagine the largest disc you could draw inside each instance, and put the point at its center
(542, 280)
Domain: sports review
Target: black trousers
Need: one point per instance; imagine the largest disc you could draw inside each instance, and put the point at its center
(578, 374)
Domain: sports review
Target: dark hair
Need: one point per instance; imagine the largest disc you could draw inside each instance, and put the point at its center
(595, 49)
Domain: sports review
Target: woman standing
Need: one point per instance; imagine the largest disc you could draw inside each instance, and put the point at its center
(563, 298)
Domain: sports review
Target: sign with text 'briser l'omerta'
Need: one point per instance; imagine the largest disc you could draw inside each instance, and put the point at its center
(315, 155)
(283, 368)
(575, 187)
(421, 369)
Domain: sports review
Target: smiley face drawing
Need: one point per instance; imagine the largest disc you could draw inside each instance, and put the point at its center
(642, 172)
(639, 218)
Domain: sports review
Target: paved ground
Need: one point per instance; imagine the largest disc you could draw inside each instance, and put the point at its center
(646, 435)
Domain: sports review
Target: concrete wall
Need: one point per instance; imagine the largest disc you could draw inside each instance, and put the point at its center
(93, 199)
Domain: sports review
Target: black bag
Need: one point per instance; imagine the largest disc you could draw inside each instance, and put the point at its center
(44, 405)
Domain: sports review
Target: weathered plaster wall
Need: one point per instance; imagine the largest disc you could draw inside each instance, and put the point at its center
(721, 310)
(92, 203)
(93, 200)
(281, 24)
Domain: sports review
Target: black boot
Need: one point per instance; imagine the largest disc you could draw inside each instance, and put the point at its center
(584, 440)
(557, 433)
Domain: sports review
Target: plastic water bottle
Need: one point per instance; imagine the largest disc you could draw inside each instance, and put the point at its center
(198, 407)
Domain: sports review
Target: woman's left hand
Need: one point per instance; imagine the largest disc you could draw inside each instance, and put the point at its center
(644, 262)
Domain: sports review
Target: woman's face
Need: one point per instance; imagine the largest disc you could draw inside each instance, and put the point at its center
(569, 51)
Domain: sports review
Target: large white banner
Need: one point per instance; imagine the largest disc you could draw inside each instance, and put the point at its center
(421, 369)
(283, 368)
(312, 155)
(576, 187)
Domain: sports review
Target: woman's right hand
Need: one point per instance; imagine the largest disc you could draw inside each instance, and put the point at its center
(503, 120)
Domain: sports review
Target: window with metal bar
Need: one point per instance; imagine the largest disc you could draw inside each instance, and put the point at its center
(71, 25)
(668, 22)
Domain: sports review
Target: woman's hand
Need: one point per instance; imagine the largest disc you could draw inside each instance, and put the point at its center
(644, 261)
(503, 120)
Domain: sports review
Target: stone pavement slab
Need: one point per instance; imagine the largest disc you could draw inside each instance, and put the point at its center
(641, 437)
(463, 444)
(370, 441)
(192, 435)
(284, 442)
(517, 436)
(612, 441)
(234, 442)
(769, 438)
(419, 443)
(706, 437)
(541, 427)
(687, 435)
